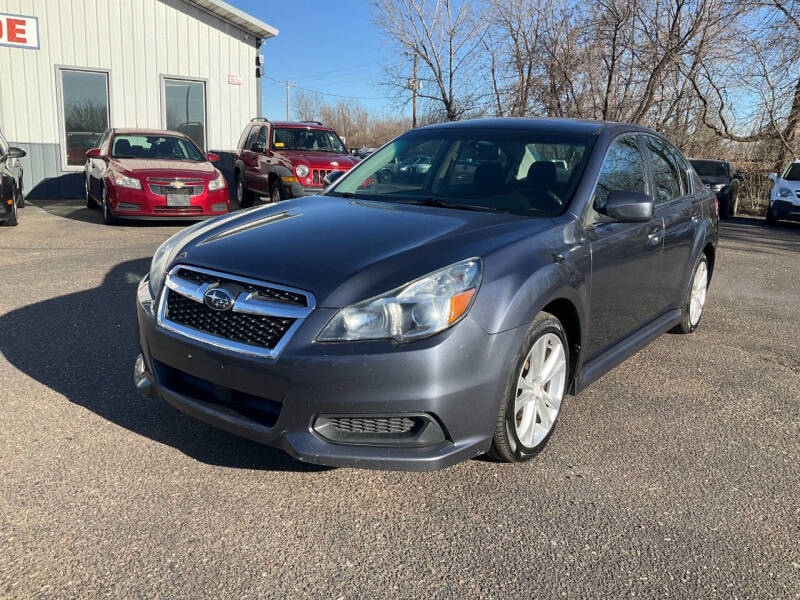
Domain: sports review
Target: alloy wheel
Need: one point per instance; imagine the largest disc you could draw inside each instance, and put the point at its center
(540, 390)
(699, 289)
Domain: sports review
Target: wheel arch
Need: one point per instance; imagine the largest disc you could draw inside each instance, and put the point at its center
(567, 313)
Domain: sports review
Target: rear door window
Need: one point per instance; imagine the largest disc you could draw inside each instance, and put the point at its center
(623, 170)
(666, 173)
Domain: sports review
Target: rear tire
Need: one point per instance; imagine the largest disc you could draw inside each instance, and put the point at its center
(533, 396)
(243, 195)
(695, 302)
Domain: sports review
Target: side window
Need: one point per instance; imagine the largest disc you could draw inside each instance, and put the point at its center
(253, 133)
(262, 137)
(103, 143)
(683, 168)
(666, 174)
(3, 146)
(623, 169)
(243, 138)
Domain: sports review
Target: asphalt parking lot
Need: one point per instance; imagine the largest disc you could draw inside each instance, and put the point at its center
(676, 475)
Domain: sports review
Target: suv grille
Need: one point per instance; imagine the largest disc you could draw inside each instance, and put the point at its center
(254, 330)
(318, 175)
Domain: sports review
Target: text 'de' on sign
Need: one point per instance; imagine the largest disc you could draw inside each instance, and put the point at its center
(19, 31)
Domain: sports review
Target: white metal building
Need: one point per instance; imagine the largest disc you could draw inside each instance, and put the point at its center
(69, 69)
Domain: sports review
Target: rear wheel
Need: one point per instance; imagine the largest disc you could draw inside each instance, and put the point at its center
(534, 393)
(696, 300)
(108, 216)
(243, 196)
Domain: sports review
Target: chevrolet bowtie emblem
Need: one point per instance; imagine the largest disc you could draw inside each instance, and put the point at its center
(178, 184)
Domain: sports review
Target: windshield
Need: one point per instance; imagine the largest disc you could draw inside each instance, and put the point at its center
(298, 138)
(792, 173)
(161, 147)
(710, 168)
(521, 172)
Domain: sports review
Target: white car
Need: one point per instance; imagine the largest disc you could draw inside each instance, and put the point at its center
(784, 198)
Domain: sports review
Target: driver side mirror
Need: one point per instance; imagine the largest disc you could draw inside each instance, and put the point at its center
(331, 178)
(773, 177)
(93, 153)
(257, 148)
(629, 207)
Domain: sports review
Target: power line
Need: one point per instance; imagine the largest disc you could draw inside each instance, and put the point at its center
(354, 68)
(305, 89)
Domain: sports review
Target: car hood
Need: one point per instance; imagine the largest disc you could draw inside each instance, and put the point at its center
(792, 185)
(344, 251)
(320, 159)
(166, 168)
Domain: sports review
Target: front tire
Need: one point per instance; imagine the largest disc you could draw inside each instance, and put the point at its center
(20, 197)
(108, 216)
(696, 299)
(90, 203)
(771, 218)
(243, 195)
(275, 191)
(534, 393)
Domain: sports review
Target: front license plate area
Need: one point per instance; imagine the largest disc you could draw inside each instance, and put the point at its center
(178, 200)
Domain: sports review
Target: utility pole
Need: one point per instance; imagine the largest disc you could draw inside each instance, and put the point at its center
(287, 100)
(414, 85)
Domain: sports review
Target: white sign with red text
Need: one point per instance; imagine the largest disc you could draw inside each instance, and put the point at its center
(234, 79)
(19, 31)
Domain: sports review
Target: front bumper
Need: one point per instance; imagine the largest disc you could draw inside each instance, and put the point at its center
(784, 210)
(297, 190)
(453, 381)
(144, 204)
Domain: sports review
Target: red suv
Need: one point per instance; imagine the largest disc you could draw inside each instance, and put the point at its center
(283, 159)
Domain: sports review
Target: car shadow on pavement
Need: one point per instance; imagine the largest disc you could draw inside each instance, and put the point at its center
(83, 346)
(760, 237)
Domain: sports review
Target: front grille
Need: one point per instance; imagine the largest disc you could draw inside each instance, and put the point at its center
(254, 330)
(179, 210)
(318, 175)
(266, 292)
(163, 189)
(372, 424)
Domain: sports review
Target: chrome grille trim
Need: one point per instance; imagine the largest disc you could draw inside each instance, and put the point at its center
(245, 303)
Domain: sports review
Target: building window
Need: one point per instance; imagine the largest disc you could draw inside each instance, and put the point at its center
(185, 108)
(85, 104)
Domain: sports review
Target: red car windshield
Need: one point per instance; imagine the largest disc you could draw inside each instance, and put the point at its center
(160, 147)
(296, 138)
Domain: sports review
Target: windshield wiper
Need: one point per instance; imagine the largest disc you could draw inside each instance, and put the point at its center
(439, 203)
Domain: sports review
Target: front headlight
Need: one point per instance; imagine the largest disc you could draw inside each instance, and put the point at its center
(125, 181)
(718, 187)
(418, 309)
(301, 170)
(785, 192)
(216, 184)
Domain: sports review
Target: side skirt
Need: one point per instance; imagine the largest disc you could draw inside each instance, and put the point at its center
(603, 363)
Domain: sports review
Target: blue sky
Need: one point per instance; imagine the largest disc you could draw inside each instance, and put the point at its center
(328, 46)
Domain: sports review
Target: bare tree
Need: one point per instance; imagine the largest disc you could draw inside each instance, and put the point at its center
(308, 105)
(444, 35)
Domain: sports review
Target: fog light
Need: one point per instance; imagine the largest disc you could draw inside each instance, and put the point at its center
(141, 379)
(219, 207)
(128, 206)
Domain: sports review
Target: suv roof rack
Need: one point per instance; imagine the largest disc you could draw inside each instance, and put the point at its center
(314, 122)
(262, 119)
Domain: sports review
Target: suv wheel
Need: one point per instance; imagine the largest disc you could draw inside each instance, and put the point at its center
(533, 397)
(108, 216)
(275, 191)
(243, 195)
(696, 298)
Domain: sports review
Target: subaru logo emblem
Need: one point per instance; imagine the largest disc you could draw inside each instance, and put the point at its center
(218, 299)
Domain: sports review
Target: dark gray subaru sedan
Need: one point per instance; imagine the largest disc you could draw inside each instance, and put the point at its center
(413, 318)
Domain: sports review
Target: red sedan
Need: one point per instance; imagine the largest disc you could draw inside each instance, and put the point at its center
(148, 174)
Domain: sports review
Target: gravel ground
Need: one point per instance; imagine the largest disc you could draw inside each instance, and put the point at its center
(675, 475)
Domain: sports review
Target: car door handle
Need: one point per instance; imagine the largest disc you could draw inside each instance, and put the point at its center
(696, 217)
(655, 235)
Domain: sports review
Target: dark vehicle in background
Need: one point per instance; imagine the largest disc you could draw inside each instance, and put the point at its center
(723, 180)
(286, 159)
(415, 323)
(784, 197)
(11, 194)
(153, 174)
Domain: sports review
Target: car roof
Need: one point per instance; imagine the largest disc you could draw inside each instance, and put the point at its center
(538, 124)
(129, 131)
(300, 125)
